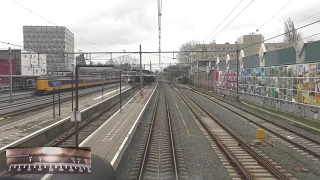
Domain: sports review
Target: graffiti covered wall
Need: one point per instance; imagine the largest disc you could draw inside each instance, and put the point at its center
(290, 88)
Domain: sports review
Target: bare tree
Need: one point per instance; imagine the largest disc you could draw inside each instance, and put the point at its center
(184, 56)
(128, 60)
(109, 62)
(124, 61)
(290, 31)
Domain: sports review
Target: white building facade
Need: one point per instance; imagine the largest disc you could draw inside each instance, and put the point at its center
(33, 64)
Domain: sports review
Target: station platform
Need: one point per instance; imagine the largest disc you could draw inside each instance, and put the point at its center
(27, 125)
(112, 138)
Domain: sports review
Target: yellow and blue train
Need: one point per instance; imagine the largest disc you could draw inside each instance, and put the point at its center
(45, 84)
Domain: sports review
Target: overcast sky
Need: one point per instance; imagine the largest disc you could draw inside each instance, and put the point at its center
(124, 24)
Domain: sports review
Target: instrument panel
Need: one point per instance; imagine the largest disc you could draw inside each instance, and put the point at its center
(48, 160)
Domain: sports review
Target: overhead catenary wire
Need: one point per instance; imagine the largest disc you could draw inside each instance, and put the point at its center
(202, 51)
(223, 20)
(233, 19)
(159, 26)
(12, 44)
(161, 56)
(15, 44)
(296, 22)
(303, 38)
(273, 15)
(57, 25)
(280, 35)
(300, 39)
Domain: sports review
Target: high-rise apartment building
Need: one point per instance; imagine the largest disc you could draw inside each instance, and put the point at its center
(51, 39)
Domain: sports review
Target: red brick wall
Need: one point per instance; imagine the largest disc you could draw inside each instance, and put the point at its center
(4, 67)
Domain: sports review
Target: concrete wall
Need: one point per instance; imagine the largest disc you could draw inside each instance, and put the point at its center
(222, 65)
(232, 64)
(302, 110)
(312, 52)
(251, 61)
(280, 57)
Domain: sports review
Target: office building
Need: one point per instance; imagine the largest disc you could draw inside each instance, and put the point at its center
(51, 39)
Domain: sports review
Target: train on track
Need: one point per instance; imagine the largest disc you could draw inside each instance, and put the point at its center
(46, 84)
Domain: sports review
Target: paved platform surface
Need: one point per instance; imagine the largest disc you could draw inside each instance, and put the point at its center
(111, 139)
(18, 129)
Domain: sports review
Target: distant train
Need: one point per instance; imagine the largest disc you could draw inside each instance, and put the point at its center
(182, 80)
(45, 84)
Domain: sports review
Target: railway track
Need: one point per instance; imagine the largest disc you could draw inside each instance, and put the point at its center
(43, 102)
(280, 132)
(48, 97)
(246, 162)
(159, 160)
(88, 126)
(85, 128)
(159, 155)
(7, 98)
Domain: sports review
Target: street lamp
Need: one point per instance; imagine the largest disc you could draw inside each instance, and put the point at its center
(72, 83)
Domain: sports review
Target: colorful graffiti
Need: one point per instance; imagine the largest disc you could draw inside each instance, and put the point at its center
(296, 83)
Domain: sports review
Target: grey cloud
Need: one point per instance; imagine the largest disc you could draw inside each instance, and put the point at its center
(125, 24)
(240, 25)
(304, 11)
(124, 34)
(123, 10)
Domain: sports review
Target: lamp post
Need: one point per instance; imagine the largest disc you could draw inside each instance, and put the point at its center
(102, 84)
(120, 94)
(237, 72)
(72, 84)
(76, 109)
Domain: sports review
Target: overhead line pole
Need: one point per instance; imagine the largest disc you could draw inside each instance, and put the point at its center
(140, 71)
(237, 72)
(10, 71)
(132, 52)
(159, 27)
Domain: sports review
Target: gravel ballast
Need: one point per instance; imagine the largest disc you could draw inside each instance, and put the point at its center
(284, 155)
(200, 160)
